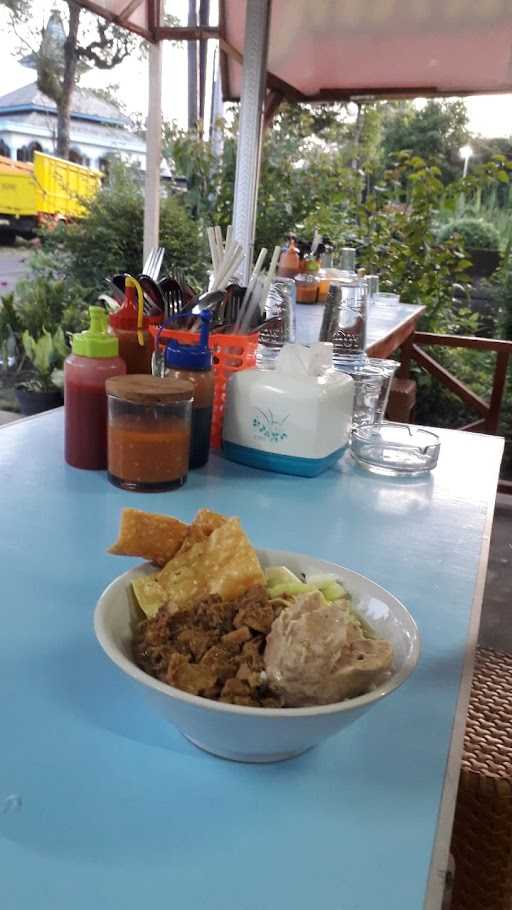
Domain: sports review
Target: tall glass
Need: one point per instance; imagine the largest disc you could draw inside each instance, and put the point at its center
(388, 369)
(344, 321)
(280, 315)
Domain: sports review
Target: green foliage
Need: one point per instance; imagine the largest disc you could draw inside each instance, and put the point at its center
(435, 131)
(10, 329)
(109, 239)
(194, 159)
(48, 302)
(394, 227)
(47, 353)
(476, 234)
(10, 322)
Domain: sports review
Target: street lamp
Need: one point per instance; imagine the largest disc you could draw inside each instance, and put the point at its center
(465, 153)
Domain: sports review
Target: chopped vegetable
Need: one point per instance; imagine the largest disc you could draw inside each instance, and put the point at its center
(276, 575)
(334, 591)
(291, 587)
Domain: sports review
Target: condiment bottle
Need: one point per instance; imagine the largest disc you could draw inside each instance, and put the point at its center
(325, 262)
(193, 363)
(289, 263)
(131, 327)
(148, 432)
(94, 358)
(307, 284)
(348, 260)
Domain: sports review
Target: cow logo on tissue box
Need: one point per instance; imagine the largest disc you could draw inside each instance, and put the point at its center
(266, 425)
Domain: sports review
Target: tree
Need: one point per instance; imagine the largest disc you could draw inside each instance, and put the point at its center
(64, 55)
(435, 131)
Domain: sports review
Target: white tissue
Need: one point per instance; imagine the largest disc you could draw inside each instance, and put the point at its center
(299, 360)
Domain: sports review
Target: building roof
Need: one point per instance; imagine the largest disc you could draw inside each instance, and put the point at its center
(100, 133)
(85, 105)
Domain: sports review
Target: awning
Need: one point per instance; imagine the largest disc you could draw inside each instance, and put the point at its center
(341, 49)
(140, 16)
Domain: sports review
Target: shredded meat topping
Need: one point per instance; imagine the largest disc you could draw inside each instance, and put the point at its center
(215, 650)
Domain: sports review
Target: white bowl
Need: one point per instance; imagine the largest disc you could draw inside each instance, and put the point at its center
(261, 734)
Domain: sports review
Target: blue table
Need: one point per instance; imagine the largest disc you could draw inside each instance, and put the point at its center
(103, 806)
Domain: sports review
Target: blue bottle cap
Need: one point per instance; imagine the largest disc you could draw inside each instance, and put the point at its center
(180, 356)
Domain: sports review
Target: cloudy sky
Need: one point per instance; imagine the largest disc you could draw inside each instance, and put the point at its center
(490, 115)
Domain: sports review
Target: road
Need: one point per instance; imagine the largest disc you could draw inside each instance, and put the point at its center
(13, 266)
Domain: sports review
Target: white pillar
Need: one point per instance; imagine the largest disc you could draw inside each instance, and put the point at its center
(153, 150)
(257, 24)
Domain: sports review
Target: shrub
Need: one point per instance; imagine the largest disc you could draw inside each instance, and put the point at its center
(476, 233)
(109, 239)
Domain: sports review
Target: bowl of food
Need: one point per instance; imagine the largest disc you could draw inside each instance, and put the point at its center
(254, 655)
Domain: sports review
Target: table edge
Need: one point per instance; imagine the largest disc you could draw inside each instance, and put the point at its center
(406, 321)
(441, 850)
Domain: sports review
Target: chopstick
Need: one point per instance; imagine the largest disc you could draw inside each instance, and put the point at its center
(251, 300)
(212, 240)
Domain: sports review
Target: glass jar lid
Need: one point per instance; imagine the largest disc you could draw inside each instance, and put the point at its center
(145, 389)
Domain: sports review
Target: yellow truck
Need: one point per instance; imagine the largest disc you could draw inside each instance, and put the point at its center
(48, 190)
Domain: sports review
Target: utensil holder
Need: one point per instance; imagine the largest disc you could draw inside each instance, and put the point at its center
(231, 353)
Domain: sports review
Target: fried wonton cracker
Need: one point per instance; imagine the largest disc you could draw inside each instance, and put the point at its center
(203, 525)
(225, 564)
(154, 537)
(149, 595)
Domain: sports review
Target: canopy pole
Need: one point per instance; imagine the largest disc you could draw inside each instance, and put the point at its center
(153, 150)
(257, 24)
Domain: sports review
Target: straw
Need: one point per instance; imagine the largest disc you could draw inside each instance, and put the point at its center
(232, 259)
(255, 272)
(270, 275)
(229, 231)
(219, 241)
(247, 310)
(212, 240)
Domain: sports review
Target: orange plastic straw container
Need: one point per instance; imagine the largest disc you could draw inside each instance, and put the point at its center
(231, 353)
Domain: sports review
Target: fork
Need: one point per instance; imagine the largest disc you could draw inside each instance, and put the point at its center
(153, 262)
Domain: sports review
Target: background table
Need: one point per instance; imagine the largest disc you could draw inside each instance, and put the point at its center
(388, 327)
(103, 805)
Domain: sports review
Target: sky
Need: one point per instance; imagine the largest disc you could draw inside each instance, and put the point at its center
(489, 115)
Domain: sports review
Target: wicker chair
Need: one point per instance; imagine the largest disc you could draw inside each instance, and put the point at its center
(482, 830)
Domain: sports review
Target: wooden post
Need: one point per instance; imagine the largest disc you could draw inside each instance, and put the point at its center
(498, 387)
(404, 370)
(153, 150)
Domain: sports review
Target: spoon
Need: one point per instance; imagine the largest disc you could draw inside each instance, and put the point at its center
(208, 301)
(152, 293)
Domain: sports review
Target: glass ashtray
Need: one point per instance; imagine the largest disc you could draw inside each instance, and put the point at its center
(395, 448)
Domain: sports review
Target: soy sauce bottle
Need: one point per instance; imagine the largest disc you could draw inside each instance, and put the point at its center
(193, 362)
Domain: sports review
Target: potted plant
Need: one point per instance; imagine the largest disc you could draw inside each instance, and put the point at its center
(43, 390)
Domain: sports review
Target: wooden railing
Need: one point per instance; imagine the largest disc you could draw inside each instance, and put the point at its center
(488, 411)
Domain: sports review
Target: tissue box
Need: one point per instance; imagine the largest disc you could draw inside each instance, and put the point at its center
(289, 422)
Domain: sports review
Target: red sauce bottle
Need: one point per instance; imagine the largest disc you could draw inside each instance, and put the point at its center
(93, 360)
(135, 344)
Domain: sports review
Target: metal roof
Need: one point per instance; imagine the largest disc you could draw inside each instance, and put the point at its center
(339, 49)
(86, 105)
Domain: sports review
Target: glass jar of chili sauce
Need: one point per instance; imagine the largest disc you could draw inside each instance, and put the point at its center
(93, 359)
(135, 343)
(149, 425)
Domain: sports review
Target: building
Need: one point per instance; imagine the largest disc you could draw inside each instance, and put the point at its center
(98, 130)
